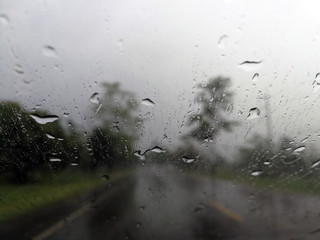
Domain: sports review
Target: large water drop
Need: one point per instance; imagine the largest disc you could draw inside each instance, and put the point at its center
(44, 119)
(95, 98)
(253, 113)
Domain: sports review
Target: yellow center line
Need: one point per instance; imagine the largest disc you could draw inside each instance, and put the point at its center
(226, 211)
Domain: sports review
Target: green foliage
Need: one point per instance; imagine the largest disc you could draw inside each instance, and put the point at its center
(23, 144)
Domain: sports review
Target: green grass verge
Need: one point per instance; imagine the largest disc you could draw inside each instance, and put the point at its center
(18, 199)
(309, 185)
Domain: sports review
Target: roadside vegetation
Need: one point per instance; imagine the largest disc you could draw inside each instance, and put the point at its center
(17, 199)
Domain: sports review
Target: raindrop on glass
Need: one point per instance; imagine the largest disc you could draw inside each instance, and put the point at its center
(44, 119)
(55, 160)
(222, 42)
(139, 155)
(256, 173)
(18, 69)
(157, 149)
(147, 102)
(315, 164)
(4, 19)
(253, 113)
(255, 77)
(50, 136)
(105, 177)
(187, 159)
(250, 65)
(94, 98)
(299, 150)
(49, 51)
(120, 45)
(316, 83)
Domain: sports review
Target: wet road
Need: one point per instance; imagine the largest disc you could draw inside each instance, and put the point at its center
(162, 203)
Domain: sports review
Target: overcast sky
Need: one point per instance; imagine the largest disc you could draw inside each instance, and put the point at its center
(56, 54)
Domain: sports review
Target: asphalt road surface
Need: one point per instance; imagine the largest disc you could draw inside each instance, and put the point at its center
(160, 202)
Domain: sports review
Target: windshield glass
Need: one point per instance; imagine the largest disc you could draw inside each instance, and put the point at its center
(159, 119)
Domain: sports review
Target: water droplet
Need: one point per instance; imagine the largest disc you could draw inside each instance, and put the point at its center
(74, 164)
(266, 163)
(222, 42)
(142, 208)
(187, 159)
(147, 102)
(95, 98)
(44, 119)
(106, 177)
(66, 115)
(50, 136)
(256, 173)
(229, 108)
(305, 139)
(198, 209)
(120, 45)
(299, 150)
(253, 113)
(157, 149)
(49, 51)
(139, 155)
(255, 77)
(4, 19)
(18, 69)
(315, 164)
(55, 160)
(316, 83)
(250, 65)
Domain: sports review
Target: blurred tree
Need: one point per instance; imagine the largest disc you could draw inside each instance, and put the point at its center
(23, 144)
(118, 123)
(214, 99)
